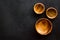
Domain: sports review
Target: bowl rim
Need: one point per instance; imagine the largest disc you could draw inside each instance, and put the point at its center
(50, 24)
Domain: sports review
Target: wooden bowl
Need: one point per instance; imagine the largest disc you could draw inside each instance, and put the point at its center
(39, 8)
(51, 12)
(43, 26)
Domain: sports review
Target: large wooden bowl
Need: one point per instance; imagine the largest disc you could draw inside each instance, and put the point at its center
(43, 26)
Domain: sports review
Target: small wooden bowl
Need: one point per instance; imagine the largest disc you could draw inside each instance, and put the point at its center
(51, 12)
(39, 8)
(43, 26)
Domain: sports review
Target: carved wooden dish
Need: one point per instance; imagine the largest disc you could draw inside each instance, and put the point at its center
(51, 13)
(39, 8)
(43, 26)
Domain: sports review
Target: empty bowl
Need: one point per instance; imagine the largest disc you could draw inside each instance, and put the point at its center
(43, 26)
(51, 12)
(39, 8)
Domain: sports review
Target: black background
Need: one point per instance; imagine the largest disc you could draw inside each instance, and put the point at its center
(17, 20)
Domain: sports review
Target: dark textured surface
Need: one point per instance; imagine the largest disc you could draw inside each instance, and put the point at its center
(17, 20)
